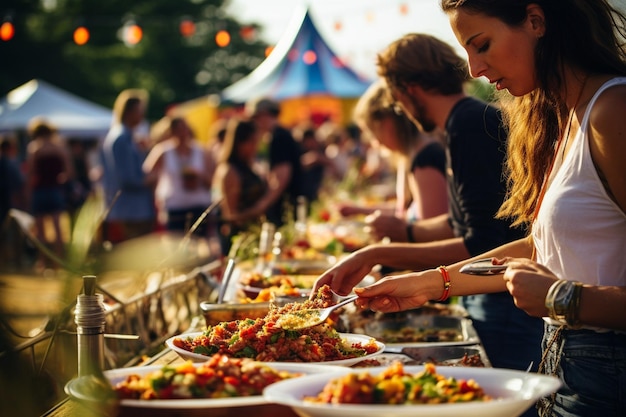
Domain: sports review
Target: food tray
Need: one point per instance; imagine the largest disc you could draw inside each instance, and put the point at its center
(428, 331)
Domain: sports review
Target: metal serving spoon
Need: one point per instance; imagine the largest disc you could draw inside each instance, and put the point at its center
(303, 319)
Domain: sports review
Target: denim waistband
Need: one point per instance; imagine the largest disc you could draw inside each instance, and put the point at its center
(589, 337)
(592, 367)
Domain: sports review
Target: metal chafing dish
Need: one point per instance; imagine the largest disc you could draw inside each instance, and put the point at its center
(423, 330)
(427, 324)
(472, 355)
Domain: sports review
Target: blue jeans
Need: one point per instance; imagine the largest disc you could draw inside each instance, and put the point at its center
(511, 338)
(592, 368)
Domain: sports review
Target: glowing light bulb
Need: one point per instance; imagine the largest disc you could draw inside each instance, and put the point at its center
(248, 33)
(81, 35)
(7, 31)
(187, 28)
(222, 38)
(309, 57)
(132, 34)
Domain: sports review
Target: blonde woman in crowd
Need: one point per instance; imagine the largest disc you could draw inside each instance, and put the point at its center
(420, 160)
(128, 191)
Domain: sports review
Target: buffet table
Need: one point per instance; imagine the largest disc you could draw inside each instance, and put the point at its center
(410, 354)
(434, 350)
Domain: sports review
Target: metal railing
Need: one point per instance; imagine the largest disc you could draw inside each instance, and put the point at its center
(167, 307)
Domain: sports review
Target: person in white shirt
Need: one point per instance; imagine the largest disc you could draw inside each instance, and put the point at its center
(184, 170)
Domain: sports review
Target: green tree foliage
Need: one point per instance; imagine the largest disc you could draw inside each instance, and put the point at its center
(172, 67)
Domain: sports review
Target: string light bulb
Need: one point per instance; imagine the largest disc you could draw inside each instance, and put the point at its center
(81, 35)
(248, 33)
(309, 57)
(131, 33)
(7, 31)
(222, 38)
(187, 28)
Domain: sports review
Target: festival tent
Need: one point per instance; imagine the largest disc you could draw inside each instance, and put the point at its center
(73, 116)
(304, 74)
(200, 113)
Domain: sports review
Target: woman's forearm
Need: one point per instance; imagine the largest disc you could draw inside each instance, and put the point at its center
(603, 307)
(464, 284)
(418, 256)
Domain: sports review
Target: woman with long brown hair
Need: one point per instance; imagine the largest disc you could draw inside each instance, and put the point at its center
(563, 64)
(237, 180)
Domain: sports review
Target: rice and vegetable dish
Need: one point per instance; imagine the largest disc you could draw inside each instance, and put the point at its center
(261, 339)
(219, 377)
(395, 386)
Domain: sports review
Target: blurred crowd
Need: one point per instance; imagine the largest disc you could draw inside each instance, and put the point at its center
(159, 178)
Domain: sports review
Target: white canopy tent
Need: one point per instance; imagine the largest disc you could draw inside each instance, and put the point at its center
(73, 116)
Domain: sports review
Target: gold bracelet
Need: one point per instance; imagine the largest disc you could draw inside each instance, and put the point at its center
(551, 296)
(571, 317)
(563, 302)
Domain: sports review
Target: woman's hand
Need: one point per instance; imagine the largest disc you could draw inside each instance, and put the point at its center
(401, 292)
(386, 226)
(528, 282)
(347, 273)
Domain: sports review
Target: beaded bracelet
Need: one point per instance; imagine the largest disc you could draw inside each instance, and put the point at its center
(446, 283)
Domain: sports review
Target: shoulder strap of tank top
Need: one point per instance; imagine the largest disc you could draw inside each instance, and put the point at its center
(610, 83)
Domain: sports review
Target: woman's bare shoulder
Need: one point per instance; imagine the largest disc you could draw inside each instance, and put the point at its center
(607, 117)
(607, 123)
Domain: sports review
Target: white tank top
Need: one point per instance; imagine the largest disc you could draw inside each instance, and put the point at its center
(580, 233)
(171, 189)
